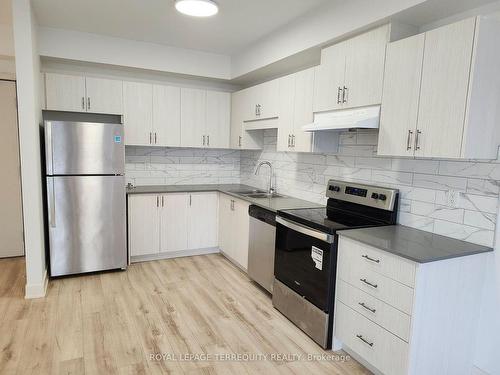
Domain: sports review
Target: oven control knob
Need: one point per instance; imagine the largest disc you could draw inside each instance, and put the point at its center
(335, 188)
(382, 197)
(375, 196)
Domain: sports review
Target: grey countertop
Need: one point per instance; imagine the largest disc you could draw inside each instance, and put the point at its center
(273, 204)
(414, 244)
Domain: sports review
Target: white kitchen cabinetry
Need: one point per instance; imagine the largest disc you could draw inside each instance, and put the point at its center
(138, 113)
(295, 111)
(261, 101)
(143, 224)
(241, 138)
(401, 317)
(399, 112)
(203, 220)
(234, 224)
(170, 225)
(218, 112)
(71, 93)
(351, 73)
(458, 89)
(167, 115)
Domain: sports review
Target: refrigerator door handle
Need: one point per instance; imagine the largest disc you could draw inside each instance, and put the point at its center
(48, 147)
(51, 202)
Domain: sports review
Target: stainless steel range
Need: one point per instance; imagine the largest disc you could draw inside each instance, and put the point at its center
(306, 251)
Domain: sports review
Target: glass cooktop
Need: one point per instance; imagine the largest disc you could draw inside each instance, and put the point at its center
(328, 220)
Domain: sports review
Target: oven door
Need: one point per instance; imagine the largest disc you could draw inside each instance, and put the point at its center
(305, 261)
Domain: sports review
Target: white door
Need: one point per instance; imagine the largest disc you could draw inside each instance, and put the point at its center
(143, 224)
(287, 95)
(241, 232)
(236, 119)
(167, 115)
(203, 220)
(398, 118)
(138, 113)
(329, 78)
(193, 118)
(226, 225)
(65, 92)
(303, 110)
(104, 95)
(268, 99)
(364, 68)
(443, 96)
(11, 219)
(174, 218)
(218, 123)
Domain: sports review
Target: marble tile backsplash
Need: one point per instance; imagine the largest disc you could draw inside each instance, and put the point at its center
(424, 184)
(179, 166)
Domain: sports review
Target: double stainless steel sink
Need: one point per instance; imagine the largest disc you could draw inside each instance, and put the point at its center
(256, 194)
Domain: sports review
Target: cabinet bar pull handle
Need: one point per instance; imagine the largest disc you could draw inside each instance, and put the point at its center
(289, 140)
(190, 199)
(370, 259)
(368, 283)
(208, 140)
(156, 137)
(88, 102)
(417, 140)
(157, 201)
(204, 140)
(339, 92)
(408, 140)
(162, 201)
(364, 340)
(345, 91)
(83, 102)
(362, 304)
(150, 138)
(239, 141)
(293, 140)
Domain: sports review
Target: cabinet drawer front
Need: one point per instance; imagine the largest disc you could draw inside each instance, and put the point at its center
(374, 344)
(375, 284)
(379, 261)
(377, 311)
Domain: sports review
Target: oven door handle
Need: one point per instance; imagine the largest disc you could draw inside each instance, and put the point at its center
(306, 230)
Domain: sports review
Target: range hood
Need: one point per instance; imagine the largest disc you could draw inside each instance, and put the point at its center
(359, 118)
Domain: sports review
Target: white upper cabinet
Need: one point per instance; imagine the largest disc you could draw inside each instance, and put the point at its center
(261, 101)
(167, 115)
(452, 112)
(240, 138)
(71, 93)
(398, 118)
(295, 111)
(218, 120)
(193, 117)
(104, 95)
(65, 93)
(329, 78)
(138, 113)
(351, 73)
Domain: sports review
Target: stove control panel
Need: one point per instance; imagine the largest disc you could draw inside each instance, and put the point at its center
(367, 195)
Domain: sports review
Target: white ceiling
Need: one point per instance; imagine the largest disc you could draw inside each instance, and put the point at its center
(238, 24)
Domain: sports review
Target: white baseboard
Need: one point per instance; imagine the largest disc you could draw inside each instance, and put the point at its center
(173, 254)
(37, 290)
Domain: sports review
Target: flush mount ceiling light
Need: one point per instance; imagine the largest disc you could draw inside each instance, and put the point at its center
(197, 8)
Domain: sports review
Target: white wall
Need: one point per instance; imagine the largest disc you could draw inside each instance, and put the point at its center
(6, 40)
(326, 23)
(29, 111)
(95, 48)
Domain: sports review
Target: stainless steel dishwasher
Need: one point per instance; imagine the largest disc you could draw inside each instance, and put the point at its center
(261, 246)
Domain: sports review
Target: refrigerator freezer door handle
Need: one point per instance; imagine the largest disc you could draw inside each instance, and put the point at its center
(51, 202)
(48, 147)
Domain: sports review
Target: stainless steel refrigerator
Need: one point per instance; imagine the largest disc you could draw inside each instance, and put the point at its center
(86, 201)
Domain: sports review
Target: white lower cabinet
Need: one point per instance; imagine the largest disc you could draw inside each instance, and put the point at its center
(159, 224)
(234, 229)
(401, 317)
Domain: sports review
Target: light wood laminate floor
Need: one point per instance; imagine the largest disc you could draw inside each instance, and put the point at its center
(110, 323)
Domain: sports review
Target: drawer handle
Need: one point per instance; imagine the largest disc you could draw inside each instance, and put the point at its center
(370, 259)
(362, 304)
(364, 340)
(368, 283)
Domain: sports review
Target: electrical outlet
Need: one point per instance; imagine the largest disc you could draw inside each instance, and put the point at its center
(453, 198)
